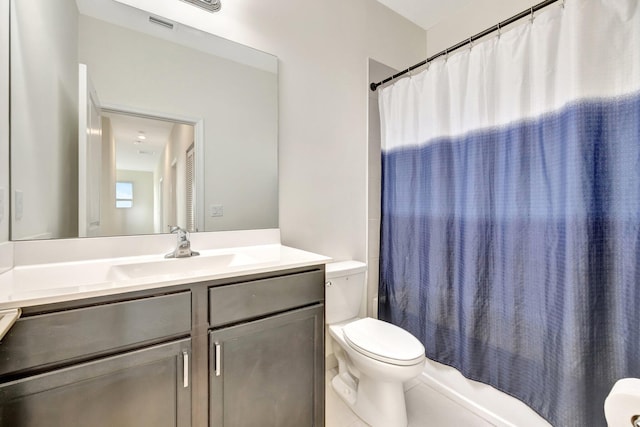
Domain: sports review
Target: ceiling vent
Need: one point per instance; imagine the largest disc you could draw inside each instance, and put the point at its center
(208, 5)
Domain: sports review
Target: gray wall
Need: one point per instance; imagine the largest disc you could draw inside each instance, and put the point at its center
(323, 49)
(238, 104)
(44, 110)
(4, 123)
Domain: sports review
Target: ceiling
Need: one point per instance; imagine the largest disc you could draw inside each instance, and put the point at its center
(133, 153)
(425, 13)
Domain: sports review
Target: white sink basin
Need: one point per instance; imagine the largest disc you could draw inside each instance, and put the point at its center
(197, 265)
(33, 284)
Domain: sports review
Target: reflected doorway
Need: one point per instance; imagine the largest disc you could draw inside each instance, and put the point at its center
(150, 153)
(173, 194)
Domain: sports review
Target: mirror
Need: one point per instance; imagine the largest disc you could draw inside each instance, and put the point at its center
(197, 115)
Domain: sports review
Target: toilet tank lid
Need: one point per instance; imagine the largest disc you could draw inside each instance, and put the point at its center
(344, 268)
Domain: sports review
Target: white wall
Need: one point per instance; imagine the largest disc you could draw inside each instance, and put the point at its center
(180, 139)
(323, 48)
(44, 111)
(108, 209)
(475, 17)
(239, 110)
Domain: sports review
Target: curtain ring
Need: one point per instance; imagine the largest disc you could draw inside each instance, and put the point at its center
(499, 30)
(470, 43)
(446, 54)
(532, 15)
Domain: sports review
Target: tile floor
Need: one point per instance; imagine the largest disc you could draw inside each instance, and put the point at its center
(425, 408)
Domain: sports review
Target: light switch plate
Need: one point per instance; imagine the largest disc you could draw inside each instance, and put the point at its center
(216, 210)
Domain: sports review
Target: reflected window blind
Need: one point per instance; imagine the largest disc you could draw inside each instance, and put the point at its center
(190, 184)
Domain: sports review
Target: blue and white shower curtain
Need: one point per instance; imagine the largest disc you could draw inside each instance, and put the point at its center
(510, 241)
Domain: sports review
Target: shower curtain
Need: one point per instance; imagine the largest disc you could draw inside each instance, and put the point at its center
(510, 240)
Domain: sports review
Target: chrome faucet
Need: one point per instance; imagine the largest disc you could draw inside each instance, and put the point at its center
(183, 248)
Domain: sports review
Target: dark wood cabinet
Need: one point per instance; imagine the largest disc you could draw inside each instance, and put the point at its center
(269, 372)
(148, 387)
(235, 352)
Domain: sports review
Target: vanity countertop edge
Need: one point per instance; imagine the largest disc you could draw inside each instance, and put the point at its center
(26, 286)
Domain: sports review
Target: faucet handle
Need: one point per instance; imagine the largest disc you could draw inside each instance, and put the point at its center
(183, 234)
(184, 246)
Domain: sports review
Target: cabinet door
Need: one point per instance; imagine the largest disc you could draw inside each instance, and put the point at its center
(269, 372)
(141, 388)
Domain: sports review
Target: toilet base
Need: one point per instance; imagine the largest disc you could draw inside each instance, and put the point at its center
(345, 388)
(379, 404)
(374, 390)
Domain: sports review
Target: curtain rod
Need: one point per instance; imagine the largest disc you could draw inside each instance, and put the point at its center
(497, 27)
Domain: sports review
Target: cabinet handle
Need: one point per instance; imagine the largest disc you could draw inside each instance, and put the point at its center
(185, 369)
(218, 359)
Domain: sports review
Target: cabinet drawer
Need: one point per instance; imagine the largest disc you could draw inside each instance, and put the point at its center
(60, 337)
(232, 303)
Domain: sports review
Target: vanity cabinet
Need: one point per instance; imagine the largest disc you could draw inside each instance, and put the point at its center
(235, 352)
(66, 335)
(267, 353)
(148, 387)
(112, 364)
(267, 373)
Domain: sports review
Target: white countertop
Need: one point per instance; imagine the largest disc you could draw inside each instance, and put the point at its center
(36, 284)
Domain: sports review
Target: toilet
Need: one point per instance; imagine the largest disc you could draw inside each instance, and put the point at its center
(374, 357)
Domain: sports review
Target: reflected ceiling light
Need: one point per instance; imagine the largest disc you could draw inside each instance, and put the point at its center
(208, 5)
(141, 136)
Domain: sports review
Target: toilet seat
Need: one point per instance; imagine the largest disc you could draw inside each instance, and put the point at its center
(384, 342)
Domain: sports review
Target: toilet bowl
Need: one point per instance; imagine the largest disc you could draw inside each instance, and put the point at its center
(374, 357)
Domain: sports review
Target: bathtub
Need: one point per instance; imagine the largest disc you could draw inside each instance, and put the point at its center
(483, 400)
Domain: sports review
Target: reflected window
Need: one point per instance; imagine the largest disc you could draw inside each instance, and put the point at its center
(124, 194)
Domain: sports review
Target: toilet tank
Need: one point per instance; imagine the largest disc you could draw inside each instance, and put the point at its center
(345, 284)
